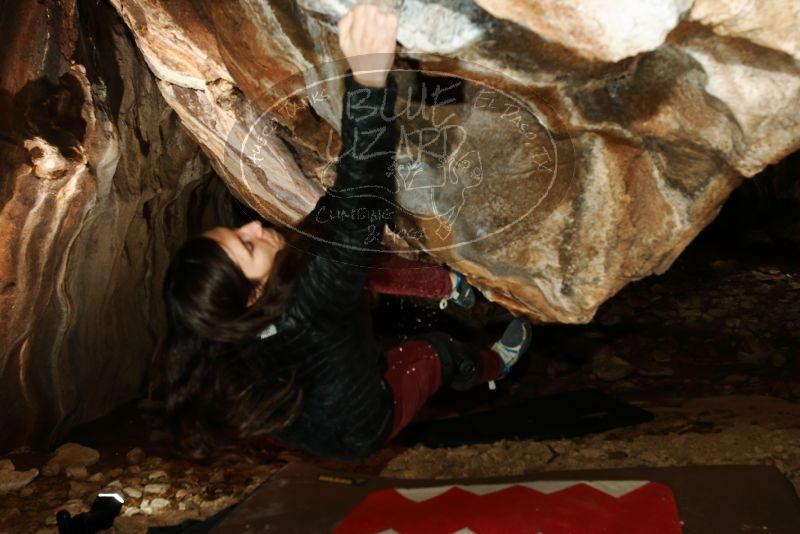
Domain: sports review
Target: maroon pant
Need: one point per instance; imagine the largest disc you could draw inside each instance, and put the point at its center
(414, 370)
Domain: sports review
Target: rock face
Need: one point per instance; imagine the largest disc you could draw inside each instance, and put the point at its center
(567, 153)
(551, 154)
(96, 178)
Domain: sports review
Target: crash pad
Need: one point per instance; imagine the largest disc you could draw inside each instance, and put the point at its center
(663, 500)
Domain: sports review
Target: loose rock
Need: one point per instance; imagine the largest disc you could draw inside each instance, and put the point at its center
(77, 472)
(14, 480)
(157, 475)
(114, 485)
(609, 367)
(70, 454)
(131, 510)
(135, 456)
(154, 462)
(156, 489)
(159, 503)
(133, 492)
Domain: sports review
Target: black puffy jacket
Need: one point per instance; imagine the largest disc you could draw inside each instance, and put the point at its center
(326, 331)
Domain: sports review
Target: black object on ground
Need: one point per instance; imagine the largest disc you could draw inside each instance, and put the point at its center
(100, 517)
(559, 416)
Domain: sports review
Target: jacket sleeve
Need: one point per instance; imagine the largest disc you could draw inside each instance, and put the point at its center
(352, 214)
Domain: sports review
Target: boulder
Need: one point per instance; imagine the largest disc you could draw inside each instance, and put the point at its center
(569, 151)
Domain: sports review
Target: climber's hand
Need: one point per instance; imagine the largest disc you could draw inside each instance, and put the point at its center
(367, 36)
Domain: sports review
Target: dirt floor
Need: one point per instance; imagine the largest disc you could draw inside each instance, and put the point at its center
(710, 348)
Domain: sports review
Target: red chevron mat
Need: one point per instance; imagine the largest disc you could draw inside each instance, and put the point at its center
(633, 507)
(665, 500)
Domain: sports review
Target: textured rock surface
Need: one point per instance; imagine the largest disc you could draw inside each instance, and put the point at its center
(604, 30)
(566, 154)
(769, 23)
(583, 149)
(96, 176)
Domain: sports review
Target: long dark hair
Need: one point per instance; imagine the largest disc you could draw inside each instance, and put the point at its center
(214, 403)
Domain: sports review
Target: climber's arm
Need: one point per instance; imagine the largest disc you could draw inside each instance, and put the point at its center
(352, 214)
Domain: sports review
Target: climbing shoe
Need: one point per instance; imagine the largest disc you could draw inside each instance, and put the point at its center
(515, 341)
(462, 294)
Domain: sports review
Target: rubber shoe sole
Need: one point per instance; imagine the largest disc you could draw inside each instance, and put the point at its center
(466, 298)
(515, 341)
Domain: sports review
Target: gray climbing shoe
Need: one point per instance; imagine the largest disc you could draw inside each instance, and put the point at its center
(515, 341)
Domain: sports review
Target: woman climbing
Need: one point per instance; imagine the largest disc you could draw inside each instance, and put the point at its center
(270, 337)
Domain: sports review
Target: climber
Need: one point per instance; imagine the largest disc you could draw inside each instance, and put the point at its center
(271, 344)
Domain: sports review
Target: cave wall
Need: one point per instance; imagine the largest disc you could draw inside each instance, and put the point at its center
(603, 135)
(99, 184)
